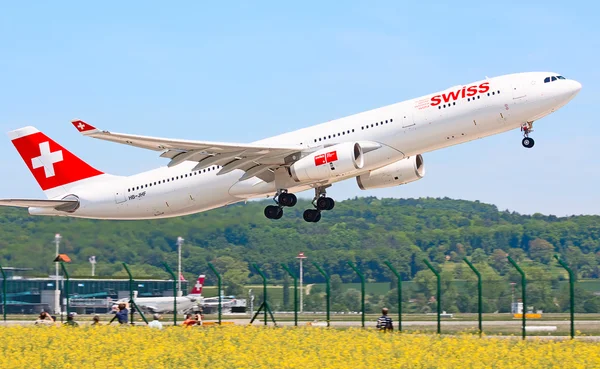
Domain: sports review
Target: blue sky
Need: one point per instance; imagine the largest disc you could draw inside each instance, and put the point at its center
(243, 71)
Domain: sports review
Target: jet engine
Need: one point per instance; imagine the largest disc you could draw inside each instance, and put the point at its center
(330, 162)
(401, 172)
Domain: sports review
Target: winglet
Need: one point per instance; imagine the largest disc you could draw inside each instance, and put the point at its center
(82, 126)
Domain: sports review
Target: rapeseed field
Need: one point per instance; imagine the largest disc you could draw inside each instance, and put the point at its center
(108, 347)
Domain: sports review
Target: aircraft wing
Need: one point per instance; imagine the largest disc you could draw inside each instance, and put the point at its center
(254, 159)
(65, 205)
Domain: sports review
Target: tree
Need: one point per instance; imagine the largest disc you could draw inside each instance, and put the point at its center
(498, 260)
(235, 274)
(541, 250)
(478, 256)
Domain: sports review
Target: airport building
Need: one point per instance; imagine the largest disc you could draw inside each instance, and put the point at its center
(31, 295)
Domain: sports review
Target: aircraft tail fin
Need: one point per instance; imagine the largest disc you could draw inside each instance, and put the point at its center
(197, 288)
(54, 168)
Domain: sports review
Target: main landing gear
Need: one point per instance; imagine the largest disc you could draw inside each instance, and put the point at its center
(320, 202)
(527, 141)
(283, 198)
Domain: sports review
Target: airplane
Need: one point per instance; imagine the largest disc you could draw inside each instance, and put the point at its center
(379, 148)
(163, 305)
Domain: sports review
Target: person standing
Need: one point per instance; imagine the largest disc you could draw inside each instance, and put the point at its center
(384, 323)
(155, 323)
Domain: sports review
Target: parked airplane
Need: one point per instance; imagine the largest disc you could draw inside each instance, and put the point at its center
(165, 304)
(380, 148)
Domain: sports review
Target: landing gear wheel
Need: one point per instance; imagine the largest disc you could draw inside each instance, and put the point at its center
(273, 212)
(528, 142)
(325, 203)
(312, 215)
(287, 199)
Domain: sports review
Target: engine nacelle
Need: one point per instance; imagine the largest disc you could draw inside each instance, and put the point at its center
(333, 161)
(401, 172)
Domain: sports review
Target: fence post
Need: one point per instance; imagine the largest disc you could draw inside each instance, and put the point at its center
(265, 303)
(132, 303)
(295, 293)
(479, 295)
(219, 288)
(64, 269)
(438, 296)
(523, 294)
(174, 292)
(571, 293)
(327, 290)
(362, 292)
(3, 293)
(399, 288)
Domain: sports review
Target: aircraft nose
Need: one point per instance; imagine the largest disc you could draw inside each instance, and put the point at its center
(574, 87)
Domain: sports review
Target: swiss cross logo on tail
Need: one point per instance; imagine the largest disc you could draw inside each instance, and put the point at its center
(47, 159)
(326, 158)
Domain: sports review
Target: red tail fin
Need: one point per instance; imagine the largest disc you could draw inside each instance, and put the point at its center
(51, 164)
(197, 289)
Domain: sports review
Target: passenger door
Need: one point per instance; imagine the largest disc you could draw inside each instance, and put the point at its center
(120, 197)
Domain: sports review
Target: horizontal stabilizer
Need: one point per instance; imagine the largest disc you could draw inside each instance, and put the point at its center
(63, 205)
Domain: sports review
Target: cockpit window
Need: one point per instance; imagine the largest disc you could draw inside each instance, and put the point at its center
(553, 78)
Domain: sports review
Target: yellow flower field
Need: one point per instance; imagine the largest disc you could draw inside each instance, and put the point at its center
(258, 347)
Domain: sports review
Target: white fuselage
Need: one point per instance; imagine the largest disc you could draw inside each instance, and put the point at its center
(404, 129)
(164, 304)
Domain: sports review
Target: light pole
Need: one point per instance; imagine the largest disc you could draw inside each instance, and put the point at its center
(92, 260)
(179, 243)
(57, 238)
(301, 257)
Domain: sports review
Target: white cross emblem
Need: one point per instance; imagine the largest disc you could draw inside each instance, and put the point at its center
(47, 159)
(198, 285)
(81, 126)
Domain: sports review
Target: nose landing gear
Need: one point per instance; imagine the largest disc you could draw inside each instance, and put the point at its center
(527, 141)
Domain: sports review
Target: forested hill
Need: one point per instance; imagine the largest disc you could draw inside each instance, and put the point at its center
(366, 230)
